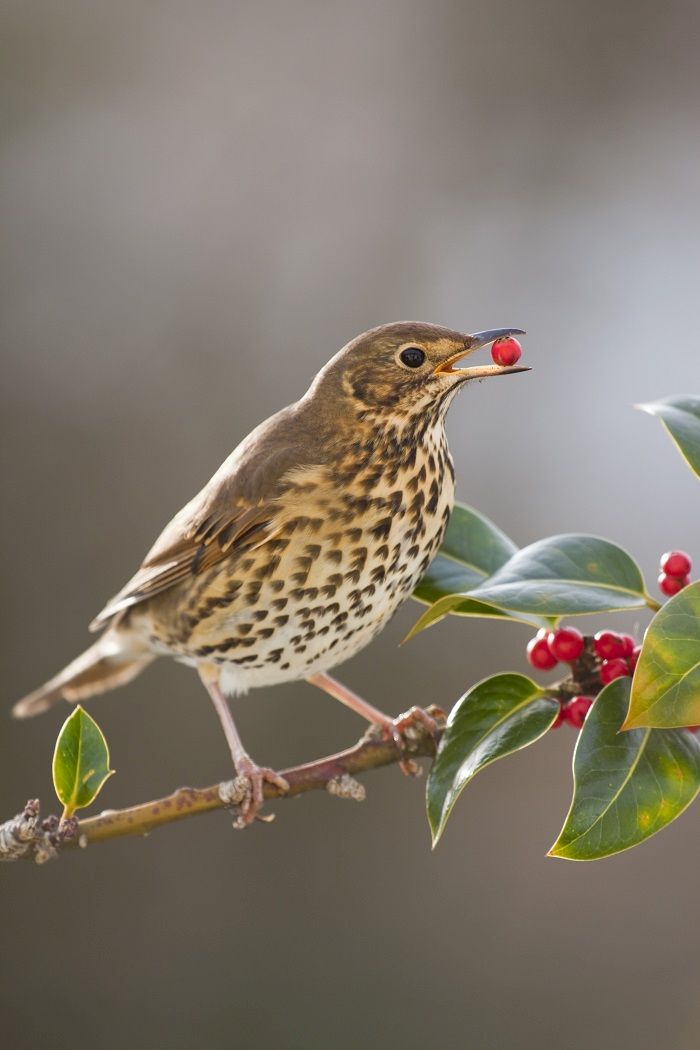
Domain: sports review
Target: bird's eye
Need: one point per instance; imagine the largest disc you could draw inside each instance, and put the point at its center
(412, 356)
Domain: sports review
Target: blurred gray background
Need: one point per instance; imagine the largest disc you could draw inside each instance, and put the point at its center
(200, 203)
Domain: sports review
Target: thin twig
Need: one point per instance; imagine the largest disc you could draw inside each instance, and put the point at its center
(27, 837)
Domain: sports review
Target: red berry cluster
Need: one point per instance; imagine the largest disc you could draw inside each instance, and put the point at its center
(614, 656)
(548, 648)
(618, 654)
(675, 572)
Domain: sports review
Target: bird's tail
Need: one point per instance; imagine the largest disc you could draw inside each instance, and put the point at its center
(113, 660)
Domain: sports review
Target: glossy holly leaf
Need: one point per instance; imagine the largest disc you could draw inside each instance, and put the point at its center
(681, 418)
(565, 576)
(494, 718)
(627, 786)
(463, 605)
(666, 684)
(80, 761)
(473, 548)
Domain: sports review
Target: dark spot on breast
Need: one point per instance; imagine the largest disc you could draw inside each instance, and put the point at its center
(254, 588)
(394, 501)
(382, 529)
(267, 569)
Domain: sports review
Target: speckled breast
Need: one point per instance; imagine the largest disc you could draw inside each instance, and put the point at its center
(348, 547)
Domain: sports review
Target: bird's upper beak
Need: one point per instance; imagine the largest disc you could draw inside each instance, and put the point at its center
(474, 342)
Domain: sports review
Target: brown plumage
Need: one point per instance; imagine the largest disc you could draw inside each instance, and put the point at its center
(304, 542)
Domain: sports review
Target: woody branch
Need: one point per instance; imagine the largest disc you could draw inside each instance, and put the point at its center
(29, 837)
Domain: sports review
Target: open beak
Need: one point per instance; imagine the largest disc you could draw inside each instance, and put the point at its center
(475, 342)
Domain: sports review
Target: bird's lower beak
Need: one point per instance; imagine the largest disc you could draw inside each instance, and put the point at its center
(475, 342)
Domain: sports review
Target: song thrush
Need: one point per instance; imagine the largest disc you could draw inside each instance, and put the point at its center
(305, 541)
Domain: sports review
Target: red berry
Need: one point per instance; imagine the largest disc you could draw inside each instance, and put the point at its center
(628, 644)
(634, 657)
(560, 719)
(538, 653)
(670, 585)
(576, 710)
(692, 729)
(675, 563)
(565, 644)
(608, 645)
(506, 351)
(612, 669)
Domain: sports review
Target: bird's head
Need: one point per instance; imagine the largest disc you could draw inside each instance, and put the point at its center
(409, 367)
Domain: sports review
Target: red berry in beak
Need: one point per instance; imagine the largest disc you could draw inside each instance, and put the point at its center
(506, 352)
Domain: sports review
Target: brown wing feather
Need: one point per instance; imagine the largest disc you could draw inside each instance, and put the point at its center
(186, 555)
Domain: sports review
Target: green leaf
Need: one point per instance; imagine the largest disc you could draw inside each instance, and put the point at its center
(473, 548)
(627, 786)
(463, 605)
(80, 761)
(565, 576)
(494, 718)
(666, 684)
(681, 418)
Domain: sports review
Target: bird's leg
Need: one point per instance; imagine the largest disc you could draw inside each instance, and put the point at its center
(395, 728)
(245, 766)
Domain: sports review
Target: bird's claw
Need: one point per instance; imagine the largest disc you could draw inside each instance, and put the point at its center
(405, 730)
(253, 778)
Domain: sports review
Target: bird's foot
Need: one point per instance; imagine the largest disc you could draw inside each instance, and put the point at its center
(252, 777)
(405, 730)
